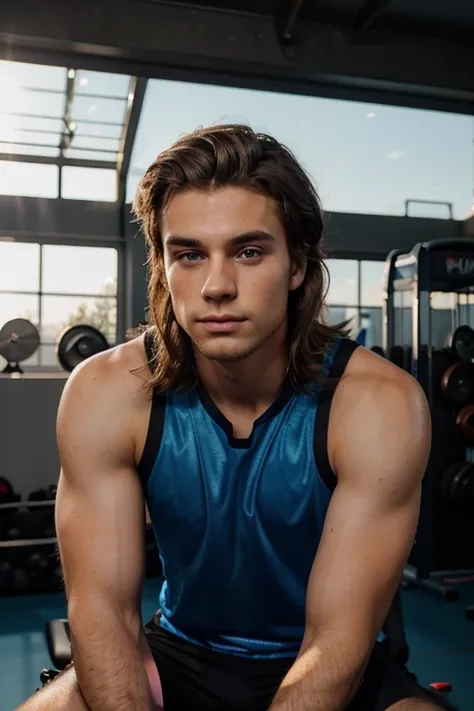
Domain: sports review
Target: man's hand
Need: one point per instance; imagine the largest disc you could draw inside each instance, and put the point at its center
(379, 443)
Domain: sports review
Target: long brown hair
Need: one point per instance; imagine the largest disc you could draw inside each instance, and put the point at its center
(209, 159)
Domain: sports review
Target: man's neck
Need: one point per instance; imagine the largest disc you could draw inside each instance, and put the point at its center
(248, 385)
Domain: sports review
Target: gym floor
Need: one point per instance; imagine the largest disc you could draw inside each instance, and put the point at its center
(441, 641)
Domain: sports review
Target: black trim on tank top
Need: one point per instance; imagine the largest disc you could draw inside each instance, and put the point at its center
(321, 426)
(243, 442)
(155, 424)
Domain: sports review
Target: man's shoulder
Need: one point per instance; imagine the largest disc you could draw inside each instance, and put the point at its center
(372, 383)
(123, 368)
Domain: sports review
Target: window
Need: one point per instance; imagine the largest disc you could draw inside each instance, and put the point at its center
(339, 314)
(38, 120)
(350, 279)
(344, 282)
(56, 286)
(371, 283)
(89, 184)
(29, 179)
(363, 158)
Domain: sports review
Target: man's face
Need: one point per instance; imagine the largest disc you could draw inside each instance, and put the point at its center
(228, 270)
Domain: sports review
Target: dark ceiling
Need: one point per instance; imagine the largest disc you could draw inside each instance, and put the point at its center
(416, 53)
(436, 18)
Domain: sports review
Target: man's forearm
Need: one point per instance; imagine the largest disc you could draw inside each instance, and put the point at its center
(109, 661)
(324, 677)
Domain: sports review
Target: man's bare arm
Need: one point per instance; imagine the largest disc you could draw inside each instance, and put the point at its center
(380, 454)
(100, 525)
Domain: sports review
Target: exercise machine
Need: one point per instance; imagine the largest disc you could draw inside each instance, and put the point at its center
(428, 310)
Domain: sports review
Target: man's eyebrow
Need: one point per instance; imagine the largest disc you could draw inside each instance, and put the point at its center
(237, 241)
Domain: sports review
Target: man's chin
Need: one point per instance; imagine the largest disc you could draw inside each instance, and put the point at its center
(225, 353)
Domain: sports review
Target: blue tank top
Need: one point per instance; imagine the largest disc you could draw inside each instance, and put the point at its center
(237, 522)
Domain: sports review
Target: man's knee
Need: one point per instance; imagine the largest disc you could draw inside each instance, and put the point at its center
(60, 694)
(415, 705)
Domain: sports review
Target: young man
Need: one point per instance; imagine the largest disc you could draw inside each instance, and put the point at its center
(281, 464)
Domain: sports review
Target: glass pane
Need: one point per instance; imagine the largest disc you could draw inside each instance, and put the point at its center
(19, 266)
(339, 314)
(102, 84)
(47, 356)
(443, 317)
(19, 306)
(36, 76)
(28, 179)
(79, 270)
(343, 286)
(371, 276)
(109, 110)
(100, 144)
(90, 155)
(33, 123)
(387, 154)
(100, 130)
(21, 136)
(26, 150)
(371, 320)
(58, 312)
(402, 315)
(89, 184)
(36, 103)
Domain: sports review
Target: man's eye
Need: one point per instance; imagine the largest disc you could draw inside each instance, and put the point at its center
(251, 253)
(189, 256)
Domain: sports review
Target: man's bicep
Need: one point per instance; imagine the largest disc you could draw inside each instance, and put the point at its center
(359, 562)
(373, 515)
(99, 506)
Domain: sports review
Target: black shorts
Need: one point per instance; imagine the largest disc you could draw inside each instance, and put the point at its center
(201, 679)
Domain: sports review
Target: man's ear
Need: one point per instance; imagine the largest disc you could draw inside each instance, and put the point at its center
(298, 272)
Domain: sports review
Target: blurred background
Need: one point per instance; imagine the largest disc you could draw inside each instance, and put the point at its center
(376, 100)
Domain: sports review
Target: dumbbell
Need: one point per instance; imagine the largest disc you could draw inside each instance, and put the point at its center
(38, 566)
(457, 383)
(8, 496)
(457, 485)
(46, 494)
(6, 571)
(461, 344)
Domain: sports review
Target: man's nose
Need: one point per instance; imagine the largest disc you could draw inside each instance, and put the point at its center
(220, 283)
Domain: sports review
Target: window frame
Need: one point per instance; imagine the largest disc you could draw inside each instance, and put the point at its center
(117, 244)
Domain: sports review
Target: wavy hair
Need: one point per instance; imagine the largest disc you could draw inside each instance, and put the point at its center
(235, 155)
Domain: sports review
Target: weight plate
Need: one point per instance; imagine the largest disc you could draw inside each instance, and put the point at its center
(19, 340)
(463, 344)
(447, 479)
(465, 423)
(457, 383)
(460, 484)
(77, 343)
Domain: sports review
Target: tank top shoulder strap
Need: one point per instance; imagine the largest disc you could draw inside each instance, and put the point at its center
(337, 360)
(156, 422)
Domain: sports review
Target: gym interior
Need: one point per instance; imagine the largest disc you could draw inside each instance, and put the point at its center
(376, 99)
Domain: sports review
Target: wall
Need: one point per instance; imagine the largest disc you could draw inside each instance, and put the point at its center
(28, 430)
(29, 405)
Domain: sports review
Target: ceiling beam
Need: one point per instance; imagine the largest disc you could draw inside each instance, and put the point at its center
(57, 160)
(287, 18)
(183, 42)
(369, 13)
(136, 98)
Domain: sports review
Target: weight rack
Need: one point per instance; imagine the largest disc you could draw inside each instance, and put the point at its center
(153, 562)
(410, 279)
